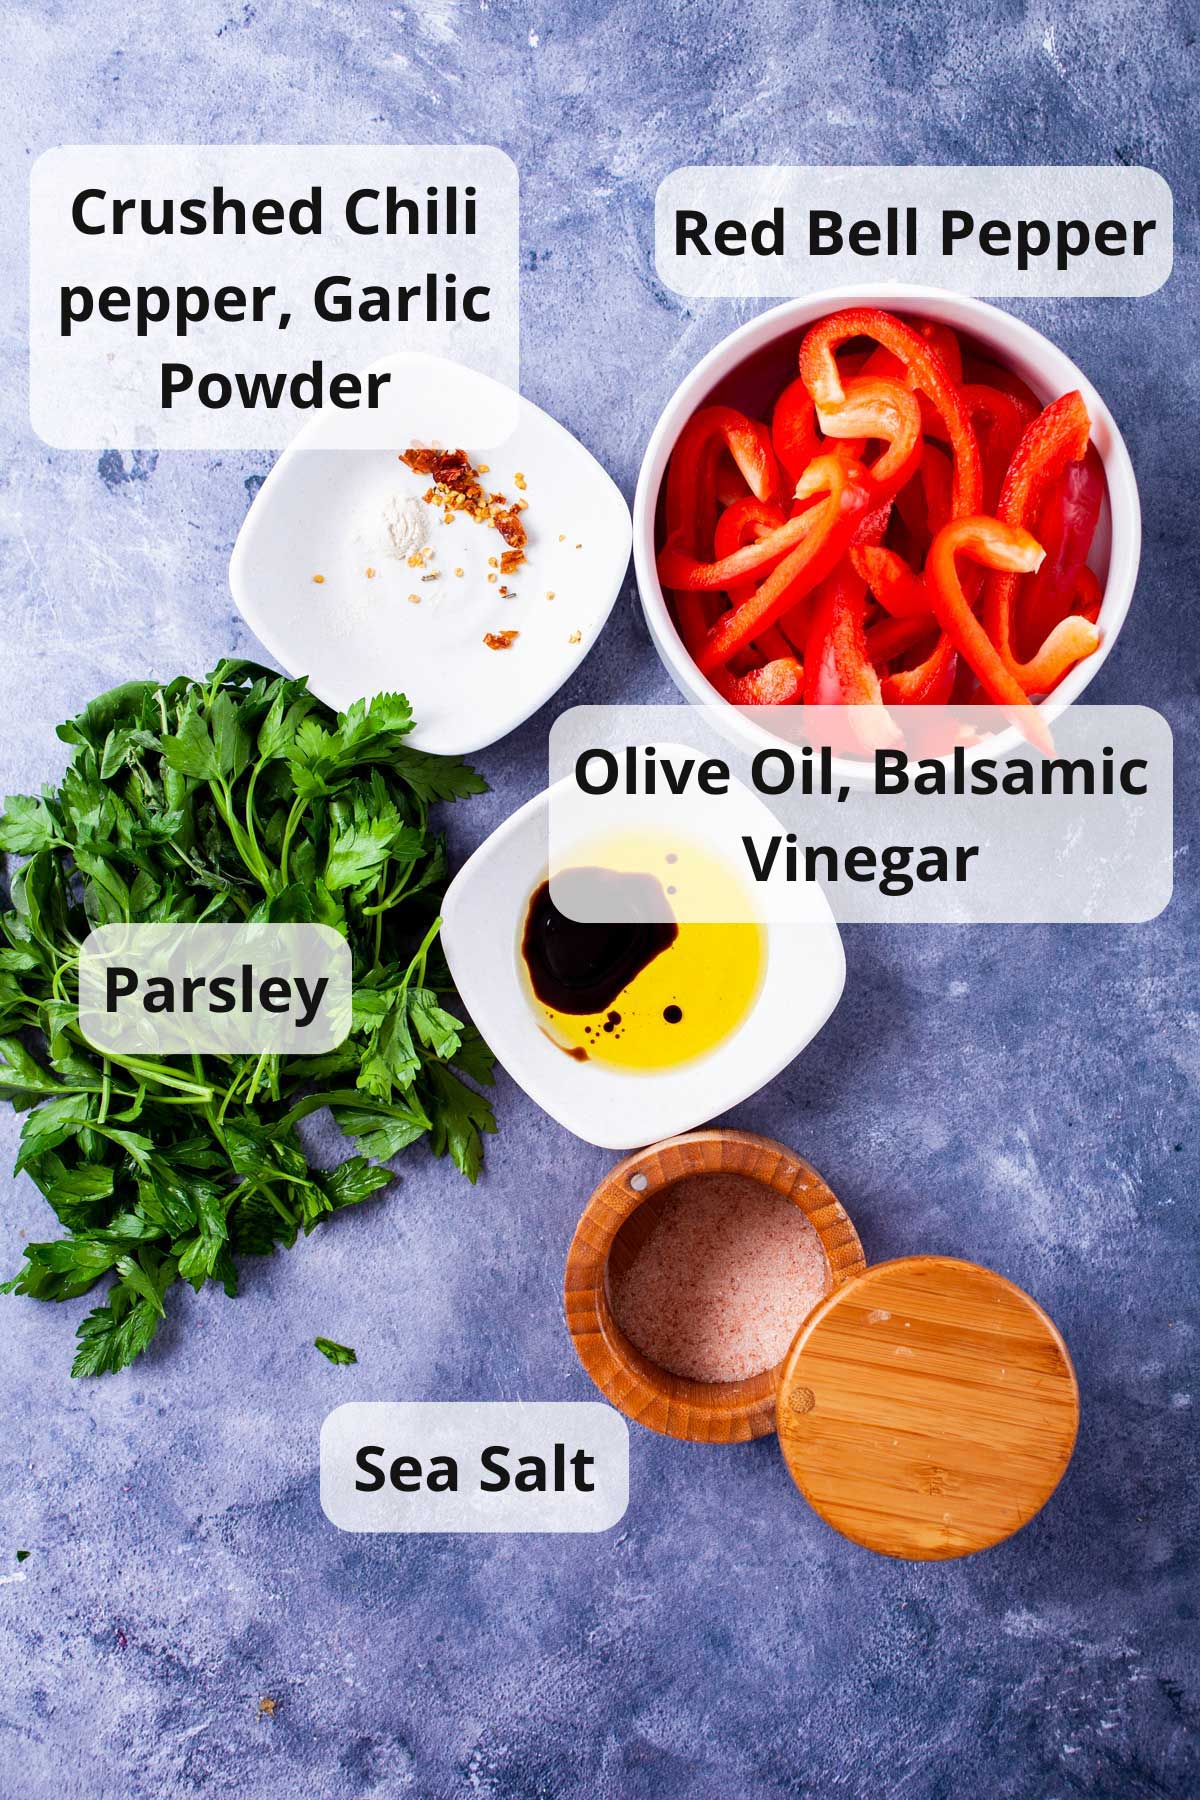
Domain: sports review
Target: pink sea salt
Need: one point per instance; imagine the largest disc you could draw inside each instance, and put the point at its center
(723, 1280)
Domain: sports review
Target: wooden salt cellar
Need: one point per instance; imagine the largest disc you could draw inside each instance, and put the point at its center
(615, 1223)
(927, 1407)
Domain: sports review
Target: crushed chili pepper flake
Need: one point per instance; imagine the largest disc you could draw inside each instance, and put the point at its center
(549, 593)
(519, 480)
(500, 640)
(432, 576)
(562, 537)
(458, 571)
(576, 637)
(318, 579)
(457, 489)
(485, 468)
(414, 599)
(370, 573)
(511, 529)
(510, 560)
(266, 1707)
(493, 577)
(493, 562)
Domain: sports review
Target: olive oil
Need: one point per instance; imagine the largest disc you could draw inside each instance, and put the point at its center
(653, 991)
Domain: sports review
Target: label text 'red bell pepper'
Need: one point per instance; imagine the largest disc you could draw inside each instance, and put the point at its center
(900, 232)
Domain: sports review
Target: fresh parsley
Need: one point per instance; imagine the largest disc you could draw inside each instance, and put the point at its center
(235, 798)
(337, 1353)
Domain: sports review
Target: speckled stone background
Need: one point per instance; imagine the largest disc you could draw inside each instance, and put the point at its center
(1022, 1097)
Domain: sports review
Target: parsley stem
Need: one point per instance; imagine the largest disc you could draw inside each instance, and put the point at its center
(389, 900)
(422, 953)
(259, 1185)
(155, 1072)
(230, 1091)
(251, 834)
(258, 1069)
(248, 852)
(293, 819)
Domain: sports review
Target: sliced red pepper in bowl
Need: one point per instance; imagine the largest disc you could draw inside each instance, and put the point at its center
(894, 434)
(677, 569)
(875, 406)
(1056, 438)
(837, 668)
(1003, 417)
(777, 683)
(743, 522)
(930, 683)
(900, 592)
(995, 545)
(819, 370)
(851, 495)
(794, 435)
(1071, 640)
(1066, 526)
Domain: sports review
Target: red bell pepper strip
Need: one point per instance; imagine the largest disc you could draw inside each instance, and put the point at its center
(777, 683)
(691, 497)
(999, 419)
(937, 485)
(931, 683)
(900, 592)
(676, 569)
(889, 638)
(690, 514)
(746, 521)
(1070, 641)
(1066, 526)
(740, 523)
(831, 527)
(819, 370)
(996, 545)
(1089, 595)
(945, 342)
(730, 483)
(869, 534)
(794, 435)
(692, 469)
(1056, 438)
(981, 370)
(837, 668)
(875, 406)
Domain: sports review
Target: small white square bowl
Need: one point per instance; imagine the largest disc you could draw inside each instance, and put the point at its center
(483, 918)
(320, 512)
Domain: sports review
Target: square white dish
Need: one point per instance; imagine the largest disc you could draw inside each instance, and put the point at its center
(483, 918)
(321, 512)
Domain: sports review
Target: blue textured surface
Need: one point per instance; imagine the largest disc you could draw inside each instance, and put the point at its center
(1023, 1098)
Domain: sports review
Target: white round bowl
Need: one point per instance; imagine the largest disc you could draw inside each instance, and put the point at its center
(1117, 545)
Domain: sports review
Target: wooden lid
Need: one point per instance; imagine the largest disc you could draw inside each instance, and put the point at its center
(927, 1408)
